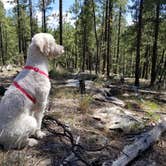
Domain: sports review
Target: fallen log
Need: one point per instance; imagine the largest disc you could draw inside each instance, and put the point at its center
(130, 152)
(135, 89)
(104, 98)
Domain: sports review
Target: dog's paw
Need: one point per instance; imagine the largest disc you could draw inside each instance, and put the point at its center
(32, 142)
(40, 134)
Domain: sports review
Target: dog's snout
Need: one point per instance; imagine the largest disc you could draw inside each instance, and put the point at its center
(61, 49)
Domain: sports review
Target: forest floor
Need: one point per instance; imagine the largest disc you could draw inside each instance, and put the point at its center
(97, 124)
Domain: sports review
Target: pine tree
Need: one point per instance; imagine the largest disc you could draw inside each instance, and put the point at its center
(139, 35)
(60, 22)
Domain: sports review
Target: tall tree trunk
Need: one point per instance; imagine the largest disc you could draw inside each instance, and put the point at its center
(163, 72)
(139, 35)
(1, 45)
(84, 48)
(109, 38)
(44, 25)
(89, 62)
(76, 48)
(154, 55)
(102, 41)
(147, 64)
(24, 46)
(60, 23)
(19, 26)
(161, 64)
(145, 61)
(31, 19)
(76, 37)
(6, 43)
(96, 37)
(118, 42)
(105, 37)
(123, 61)
(23, 34)
(130, 66)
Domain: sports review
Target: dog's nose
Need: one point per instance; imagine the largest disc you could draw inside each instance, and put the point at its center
(62, 50)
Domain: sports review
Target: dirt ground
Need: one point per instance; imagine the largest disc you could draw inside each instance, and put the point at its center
(90, 142)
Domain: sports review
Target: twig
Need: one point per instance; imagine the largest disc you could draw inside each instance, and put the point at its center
(76, 148)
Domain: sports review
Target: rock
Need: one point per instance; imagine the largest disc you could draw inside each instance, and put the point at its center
(115, 118)
(116, 101)
(9, 67)
(99, 97)
(72, 83)
(45, 162)
(125, 95)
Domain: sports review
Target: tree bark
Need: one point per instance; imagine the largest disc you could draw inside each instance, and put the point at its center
(76, 48)
(163, 71)
(130, 152)
(1, 45)
(6, 43)
(96, 37)
(139, 35)
(44, 26)
(145, 64)
(109, 38)
(84, 48)
(76, 36)
(118, 42)
(60, 23)
(19, 26)
(154, 55)
(31, 19)
(105, 36)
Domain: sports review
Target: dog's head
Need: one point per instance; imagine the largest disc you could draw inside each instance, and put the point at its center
(45, 44)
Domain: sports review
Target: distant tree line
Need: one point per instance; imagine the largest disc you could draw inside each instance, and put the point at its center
(100, 40)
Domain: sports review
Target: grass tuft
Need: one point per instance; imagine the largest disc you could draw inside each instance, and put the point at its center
(84, 104)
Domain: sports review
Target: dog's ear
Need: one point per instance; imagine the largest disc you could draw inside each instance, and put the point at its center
(41, 44)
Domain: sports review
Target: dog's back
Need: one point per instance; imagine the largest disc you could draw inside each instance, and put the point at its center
(15, 123)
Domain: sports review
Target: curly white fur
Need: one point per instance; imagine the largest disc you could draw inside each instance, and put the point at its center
(19, 116)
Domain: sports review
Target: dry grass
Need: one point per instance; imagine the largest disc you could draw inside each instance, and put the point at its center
(13, 158)
(84, 103)
(64, 93)
(75, 111)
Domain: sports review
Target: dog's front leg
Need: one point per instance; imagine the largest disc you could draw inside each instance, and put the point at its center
(42, 98)
(39, 113)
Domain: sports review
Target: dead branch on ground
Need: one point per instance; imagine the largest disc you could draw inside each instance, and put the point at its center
(77, 150)
(130, 152)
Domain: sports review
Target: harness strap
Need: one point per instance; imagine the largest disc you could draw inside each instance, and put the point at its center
(33, 99)
(36, 70)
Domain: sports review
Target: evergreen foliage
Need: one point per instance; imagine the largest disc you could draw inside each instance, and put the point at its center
(100, 40)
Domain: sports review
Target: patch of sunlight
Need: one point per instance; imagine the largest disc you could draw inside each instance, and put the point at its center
(150, 106)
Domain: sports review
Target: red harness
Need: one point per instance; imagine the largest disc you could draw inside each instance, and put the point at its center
(32, 98)
(36, 70)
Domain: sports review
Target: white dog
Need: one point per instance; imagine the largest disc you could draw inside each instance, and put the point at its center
(22, 106)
